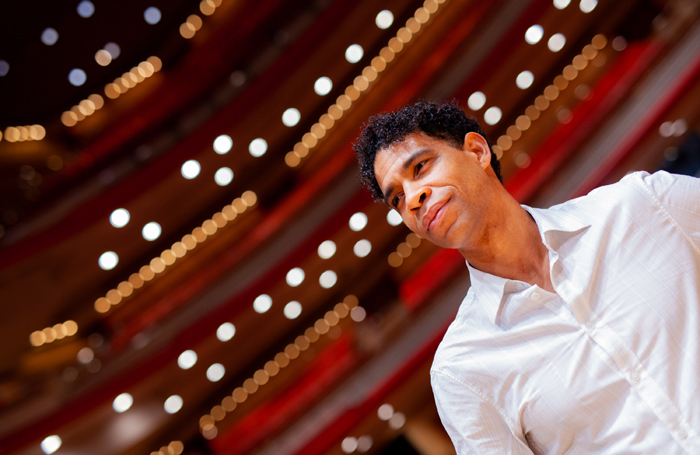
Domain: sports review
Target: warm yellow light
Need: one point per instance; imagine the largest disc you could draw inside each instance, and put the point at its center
(250, 386)
(404, 250)
(157, 265)
(291, 159)
(261, 377)
(207, 7)
(199, 234)
(532, 112)
(178, 249)
(206, 420)
(187, 30)
(240, 395)
(505, 142)
(387, 54)
(229, 213)
(599, 41)
(404, 35)
(430, 5)
(137, 73)
(68, 118)
(11, 134)
(321, 326)
(561, 82)
(344, 102)
(219, 220)
(341, 309)
(189, 241)
(311, 334)
(413, 25)
(302, 343)
(146, 69)
(228, 403)
(37, 338)
(71, 327)
(272, 368)
(292, 351)
(317, 130)
(579, 62)
(168, 257)
(50, 334)
(378, 63)
(125, 288)
(282, 359)
(37, 132)
(369, 73)
(395, 260)
(238, 205)
(498, 151)
(301, 149)
(102, 305)
(112, 91)
(422, 15)
(103, 58)
(89, 107)
(361, 83)
(175, 448)
(514, 132)
(352, 92)
(335, 112)
(155, 62)
(395, 45)
(97, 101)
(542, 102)
(218, 413)
(551, 92)
(61, 331)
(195, 20)
(135, 280)
(146, 273)
(209, 227)
(114, 297)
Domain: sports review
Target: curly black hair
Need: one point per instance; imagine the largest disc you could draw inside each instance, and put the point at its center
(446, 121)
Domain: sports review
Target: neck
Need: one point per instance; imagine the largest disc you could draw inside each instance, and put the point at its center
(512, 248)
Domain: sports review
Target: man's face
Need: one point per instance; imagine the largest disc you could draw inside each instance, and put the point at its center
(442, 192)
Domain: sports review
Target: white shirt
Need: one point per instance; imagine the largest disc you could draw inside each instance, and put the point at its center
(610, 363)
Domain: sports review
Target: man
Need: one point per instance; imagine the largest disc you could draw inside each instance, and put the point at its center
(580, 332)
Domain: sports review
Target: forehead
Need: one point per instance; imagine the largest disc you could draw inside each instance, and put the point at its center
(391, 162)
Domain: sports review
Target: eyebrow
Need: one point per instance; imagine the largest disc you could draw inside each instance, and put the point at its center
(406, 165)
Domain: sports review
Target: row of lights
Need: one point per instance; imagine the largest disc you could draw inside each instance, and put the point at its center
(112, 90)
(24, 133)
(178, 250)
(386, 413)
(354, 54)
(349, 306)
(51, 334)
(84, 109)
(404, 249)
(542, 102)
(524, 80)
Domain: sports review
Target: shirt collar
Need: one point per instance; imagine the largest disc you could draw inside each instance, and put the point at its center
(555, 228)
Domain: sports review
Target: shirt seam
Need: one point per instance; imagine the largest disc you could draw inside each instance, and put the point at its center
(661, 207)
(478, 393)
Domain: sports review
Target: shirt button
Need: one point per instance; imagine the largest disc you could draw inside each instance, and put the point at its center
(634, 377)
(590, 325)
(535, 296)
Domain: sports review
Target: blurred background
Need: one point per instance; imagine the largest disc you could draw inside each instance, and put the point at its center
(188, 264)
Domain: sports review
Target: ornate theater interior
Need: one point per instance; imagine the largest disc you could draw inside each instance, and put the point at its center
(188, 263)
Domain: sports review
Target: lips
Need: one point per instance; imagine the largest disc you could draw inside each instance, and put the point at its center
(433, 216)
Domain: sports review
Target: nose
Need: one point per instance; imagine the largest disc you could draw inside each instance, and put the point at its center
(416, 197)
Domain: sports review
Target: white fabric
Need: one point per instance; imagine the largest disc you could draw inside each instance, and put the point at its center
(610, 364)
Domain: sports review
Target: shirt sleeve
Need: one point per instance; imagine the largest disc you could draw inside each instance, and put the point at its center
(679, 195)
(474, 424)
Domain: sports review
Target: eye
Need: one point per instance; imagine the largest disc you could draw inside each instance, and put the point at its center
(395, 201)
(420, 165)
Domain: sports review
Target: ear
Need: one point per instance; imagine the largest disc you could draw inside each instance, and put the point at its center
(476, 143)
